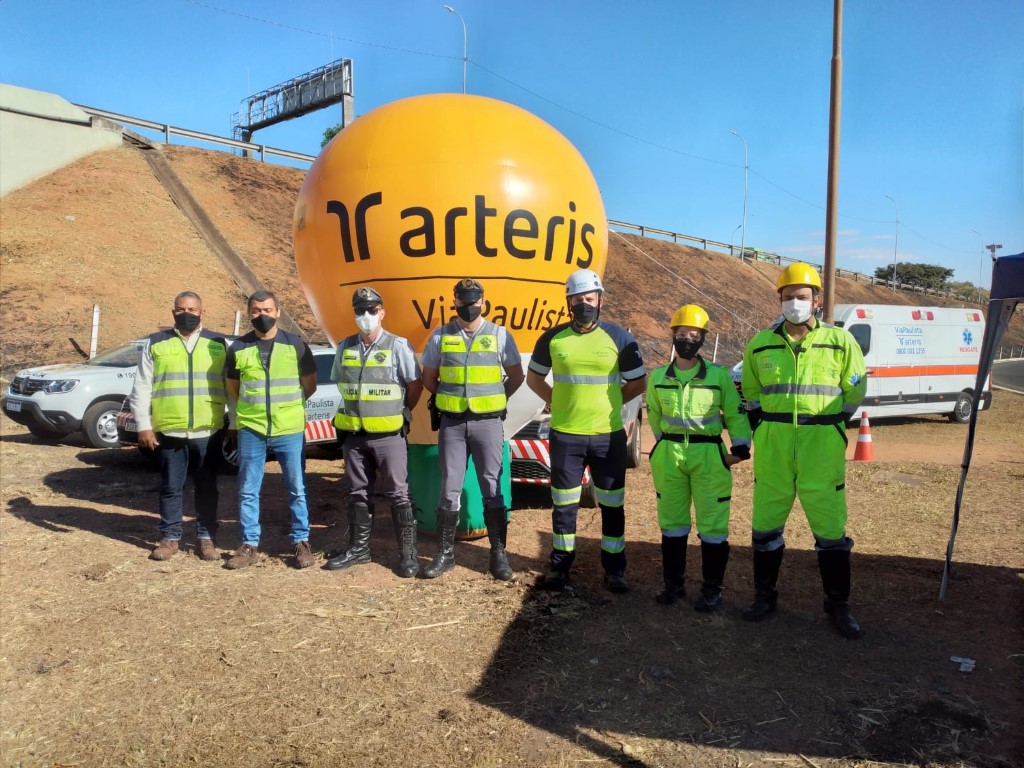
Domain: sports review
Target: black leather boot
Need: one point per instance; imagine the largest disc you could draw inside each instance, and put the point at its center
(714, 558)
(405, 534)
(766, 576)
(447, 520)
(360, 519)
(835, 580)
(673, 568)
(497, 534)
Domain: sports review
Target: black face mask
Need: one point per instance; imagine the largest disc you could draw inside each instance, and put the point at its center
(468, 312)
(584, 314)
(686, 348)
(263, 323)
(186, 322)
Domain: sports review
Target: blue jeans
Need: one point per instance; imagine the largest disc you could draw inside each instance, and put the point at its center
(252, 459)
(180, 457)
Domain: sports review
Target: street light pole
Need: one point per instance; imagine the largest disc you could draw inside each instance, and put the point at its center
(896, 242)
(746, 168)
(464, 57)
(981, 263)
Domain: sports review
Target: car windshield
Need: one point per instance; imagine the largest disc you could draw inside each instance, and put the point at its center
(124, 356)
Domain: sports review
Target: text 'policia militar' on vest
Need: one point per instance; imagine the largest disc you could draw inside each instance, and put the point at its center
(520, 231)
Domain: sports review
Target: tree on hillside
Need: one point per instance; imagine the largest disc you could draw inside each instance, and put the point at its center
(329, 134)
(920, 275)
(968, 290)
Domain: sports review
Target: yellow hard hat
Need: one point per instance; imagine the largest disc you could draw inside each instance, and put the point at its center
(798, 274)
(690, 315)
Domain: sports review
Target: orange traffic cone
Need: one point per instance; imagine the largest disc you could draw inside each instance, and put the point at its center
(865, 448)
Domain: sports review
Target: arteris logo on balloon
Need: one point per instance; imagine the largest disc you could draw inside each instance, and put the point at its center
(422, 192)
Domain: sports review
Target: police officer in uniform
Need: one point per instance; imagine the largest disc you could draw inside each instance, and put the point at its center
(802, 378)
(596, 366)
(687, 402)
(472, 367)
(270, 374)
(379, 380)
(178, 403)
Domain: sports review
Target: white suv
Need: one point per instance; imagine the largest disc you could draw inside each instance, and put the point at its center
(54, 401)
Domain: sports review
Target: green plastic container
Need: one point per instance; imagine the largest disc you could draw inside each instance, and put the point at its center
(425, 489)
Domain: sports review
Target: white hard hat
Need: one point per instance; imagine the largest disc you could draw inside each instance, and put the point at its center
(583, 281)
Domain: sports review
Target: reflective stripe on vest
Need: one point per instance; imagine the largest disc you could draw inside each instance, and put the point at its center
(188, 388)
(270, 402)
(371, 398)
(693, 407)
(470, 378)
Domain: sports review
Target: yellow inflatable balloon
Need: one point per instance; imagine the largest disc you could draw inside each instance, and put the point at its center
(424, 191)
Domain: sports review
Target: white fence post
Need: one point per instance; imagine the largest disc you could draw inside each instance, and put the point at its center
(238, 318)
(95, 330)
(714, 355)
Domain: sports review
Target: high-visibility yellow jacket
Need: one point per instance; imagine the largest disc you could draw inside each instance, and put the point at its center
(470, 378)
(188, 387)
(372, 396)
(820, 380)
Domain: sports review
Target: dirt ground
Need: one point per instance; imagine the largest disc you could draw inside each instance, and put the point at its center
(109, 658)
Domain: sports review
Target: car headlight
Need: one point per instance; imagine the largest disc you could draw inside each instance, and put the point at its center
(59, 385)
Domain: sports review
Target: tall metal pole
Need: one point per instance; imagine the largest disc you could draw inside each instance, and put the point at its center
(464, 57)
(746, 167)
(832, 200)
(981, 263)
(895, 243)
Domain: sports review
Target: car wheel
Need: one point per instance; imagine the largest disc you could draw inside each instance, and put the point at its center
(633, 452)
(588, 497)
(962, 408)
(100, 424)
(46, 435)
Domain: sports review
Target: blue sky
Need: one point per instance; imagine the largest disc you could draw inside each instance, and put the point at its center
(932, 107)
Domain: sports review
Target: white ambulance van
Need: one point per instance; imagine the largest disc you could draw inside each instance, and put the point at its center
(920, 360)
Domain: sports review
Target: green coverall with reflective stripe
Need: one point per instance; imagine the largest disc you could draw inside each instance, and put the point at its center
(686, 410)
(188, 388)
(270, 403)
(804, 391)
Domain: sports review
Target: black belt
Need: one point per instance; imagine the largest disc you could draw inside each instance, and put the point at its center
(364, 433)
(803, 418)
(675, 438)
(470, 416)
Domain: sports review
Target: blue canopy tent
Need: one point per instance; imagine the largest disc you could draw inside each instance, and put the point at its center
(1007, 291)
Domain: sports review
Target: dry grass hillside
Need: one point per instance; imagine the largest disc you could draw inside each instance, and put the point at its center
(103, 231)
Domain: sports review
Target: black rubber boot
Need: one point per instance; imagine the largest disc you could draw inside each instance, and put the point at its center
(360, 519)
(497, 534)
(673, 568)
(766, 576)
(405, 534)
(835, 580)
(713, 559)
(447, 520)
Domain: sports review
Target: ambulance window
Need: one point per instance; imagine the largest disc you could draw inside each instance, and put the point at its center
(862, 333)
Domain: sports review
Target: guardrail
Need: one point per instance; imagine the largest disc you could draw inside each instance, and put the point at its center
(745, 254)
(756, 254)
(170, 130)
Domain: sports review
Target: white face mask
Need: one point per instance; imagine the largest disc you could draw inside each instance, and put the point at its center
(368, 323)
(797, 311)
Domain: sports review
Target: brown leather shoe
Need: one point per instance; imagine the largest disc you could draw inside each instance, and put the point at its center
(207, 550)
(303, 555)
(165, 550)
(245, 556)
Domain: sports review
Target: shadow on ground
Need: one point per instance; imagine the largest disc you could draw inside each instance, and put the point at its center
(603, 670)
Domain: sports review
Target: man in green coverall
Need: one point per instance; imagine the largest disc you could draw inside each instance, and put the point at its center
(802, 379)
